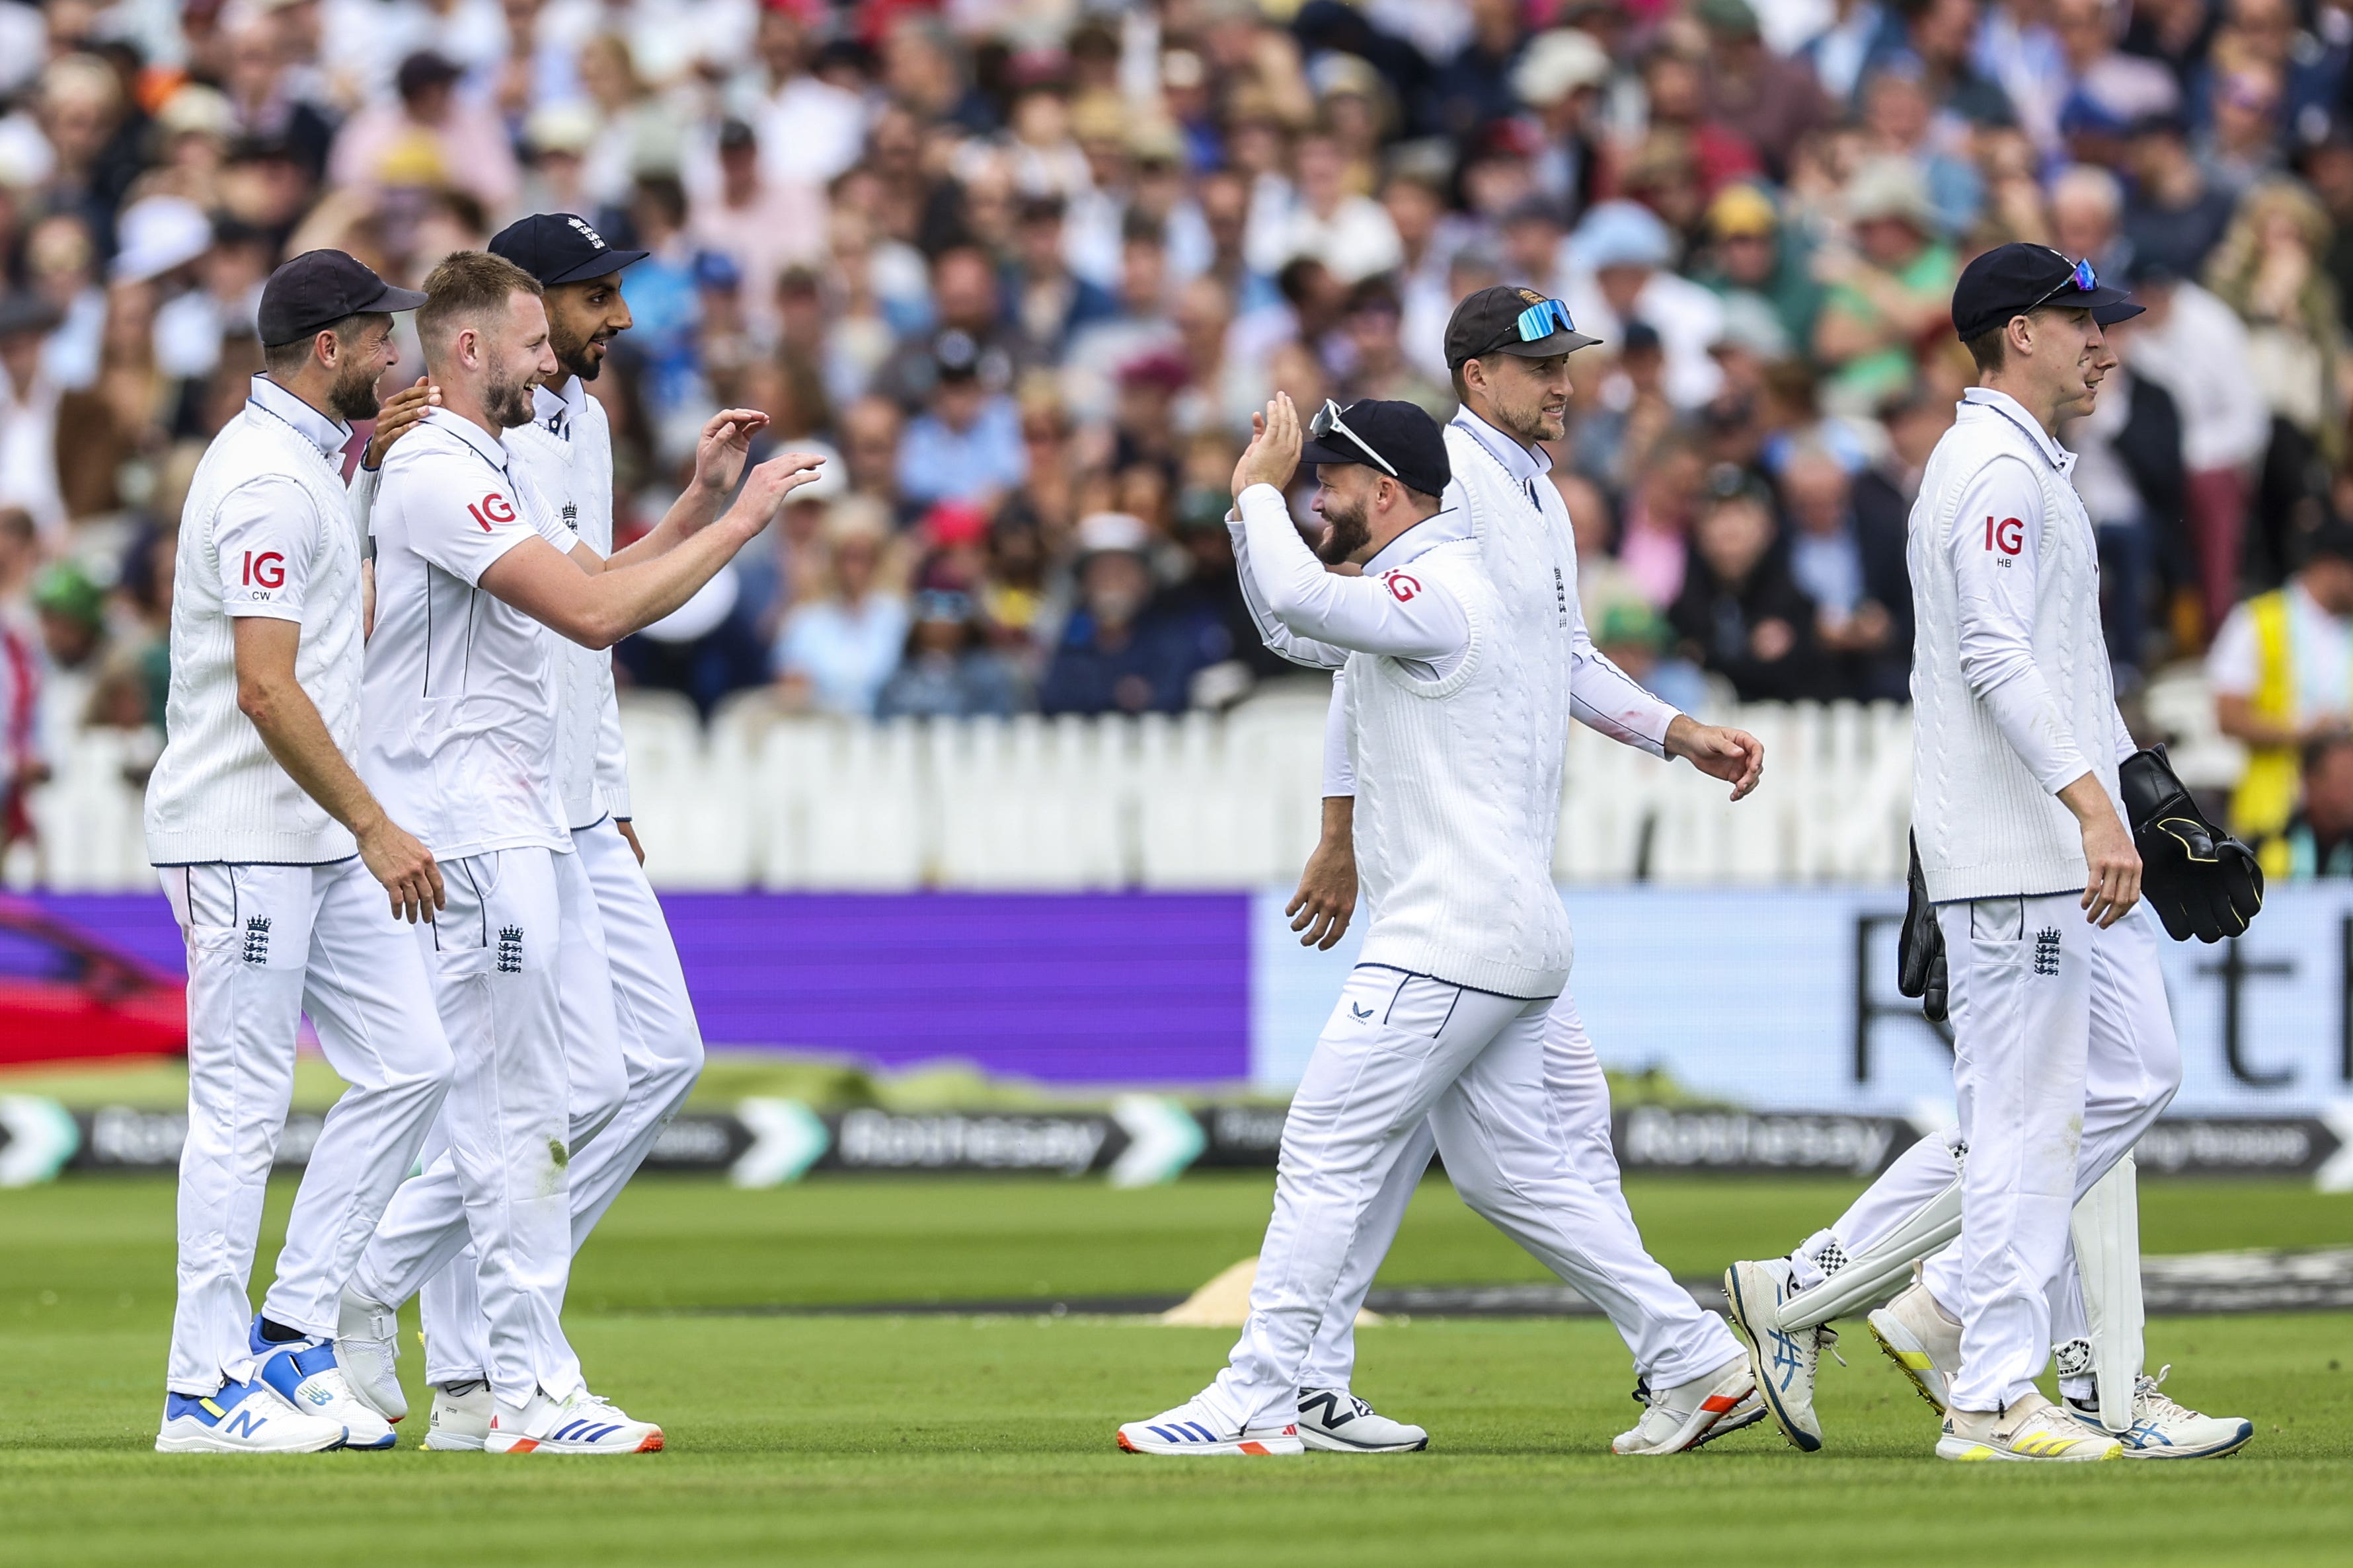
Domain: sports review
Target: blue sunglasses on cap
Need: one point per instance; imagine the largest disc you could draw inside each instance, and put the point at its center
(2083, 280)
(1540, 321)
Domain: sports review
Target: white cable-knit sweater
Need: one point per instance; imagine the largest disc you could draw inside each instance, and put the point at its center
(2011, 692)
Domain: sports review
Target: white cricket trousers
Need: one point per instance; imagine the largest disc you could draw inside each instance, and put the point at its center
(2064, 1054)
(1402, 1049)
(503, 1181)
(266, 944)
(626, 953)
(1672, 1338)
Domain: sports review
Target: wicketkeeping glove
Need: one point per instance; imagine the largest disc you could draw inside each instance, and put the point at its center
(2204, 882)
(1920, 946)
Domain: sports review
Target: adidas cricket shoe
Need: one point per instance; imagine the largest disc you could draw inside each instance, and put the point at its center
(460, 1420)
(305, 1374)
(2162, 1429)
(1191, 1429)
(2032, 1429)
(1336, 1421)
(243, 1418)
(1921, 1338)
(1691, 1414)
(580, 1422)
(1783, 1363)
(367, 1347)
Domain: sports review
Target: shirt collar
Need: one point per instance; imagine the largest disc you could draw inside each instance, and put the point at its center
(493, 450)
(330, 436)
(1518, 461)
(2003, 406)
(1442, 527)
(557, 410)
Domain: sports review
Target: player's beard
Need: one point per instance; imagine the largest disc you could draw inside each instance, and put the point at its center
(353, 396)
(572, 353)
(1347, 533)
(508, 403)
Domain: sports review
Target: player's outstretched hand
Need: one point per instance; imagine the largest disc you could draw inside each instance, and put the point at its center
(1736, 756)
(401, 412)
(1326, 899)
(1272, 454)
(770, 483)
(406, 867)
(726, 442)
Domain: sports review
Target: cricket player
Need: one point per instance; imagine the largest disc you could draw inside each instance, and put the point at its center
(1509, 352)
(2064, 1049)
(474, 572)
(626, 1014)
(291, 880)
(1456, 700)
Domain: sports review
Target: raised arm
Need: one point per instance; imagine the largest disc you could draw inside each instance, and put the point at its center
(597, 603)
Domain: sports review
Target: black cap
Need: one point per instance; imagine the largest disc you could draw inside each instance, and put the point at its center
(2010, 280)
(1488, 321)
(319, 288)
(2333, 538)
(422, 69)
(1400, 434)
(557, 248)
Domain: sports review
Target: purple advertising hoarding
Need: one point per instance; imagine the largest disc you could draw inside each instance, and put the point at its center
(1071, 988)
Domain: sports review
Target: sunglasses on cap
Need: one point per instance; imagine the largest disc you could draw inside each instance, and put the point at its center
(1327, 421)
(2083, 280)
(1540, 321)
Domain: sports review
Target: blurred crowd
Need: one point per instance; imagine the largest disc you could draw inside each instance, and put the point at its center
(1025, 266)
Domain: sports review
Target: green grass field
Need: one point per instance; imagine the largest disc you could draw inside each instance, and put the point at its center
(973, 1440)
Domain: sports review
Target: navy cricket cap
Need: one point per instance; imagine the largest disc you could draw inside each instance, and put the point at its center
(318, 287)
(1399, 439)
(557, 248)
(1511, 321)
(2011, 280)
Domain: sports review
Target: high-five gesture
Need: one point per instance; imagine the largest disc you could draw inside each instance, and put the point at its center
(725, 443)
(1273, 456)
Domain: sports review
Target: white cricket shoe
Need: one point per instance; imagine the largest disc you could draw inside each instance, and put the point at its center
(1782, 1363)
(2032, 1429)
(1336, 1422)
(580, 1423)
(367, 1347)
(243, 1418)
(1191, 1429)
(1692, 1414)
(305, 1374)
(2162, 1429)
(460, 1420)
(1920, 1337)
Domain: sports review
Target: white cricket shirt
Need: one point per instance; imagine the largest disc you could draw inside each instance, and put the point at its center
(564, 457)
(268, 530)
(458, 706)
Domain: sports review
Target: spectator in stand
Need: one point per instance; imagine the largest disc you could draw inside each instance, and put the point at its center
(28, 411)
(21, 763)
(2268, 270)
(2086, 213)
(2242, 144)
(2173, 214)
(1941, 35)
(72, 611)
(764, 225)
(1377, 366)
(2281, 669)
(947, 671)
(1620, 257)
(963, 300)
(1882, 494)
(1741, 614)
(966, 444)
(1656, 545)
(1347, 231)
(1767, 100)
(1119, 651)
(429, 136)
(2317, 839)
(836, 650)
(1751, 255)
(1851, 566)
(1888, 293)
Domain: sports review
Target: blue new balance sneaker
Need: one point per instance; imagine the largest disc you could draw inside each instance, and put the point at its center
(242, 1418)
(303, 1373)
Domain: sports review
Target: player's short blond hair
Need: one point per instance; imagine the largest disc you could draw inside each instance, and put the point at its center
(465, 286)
